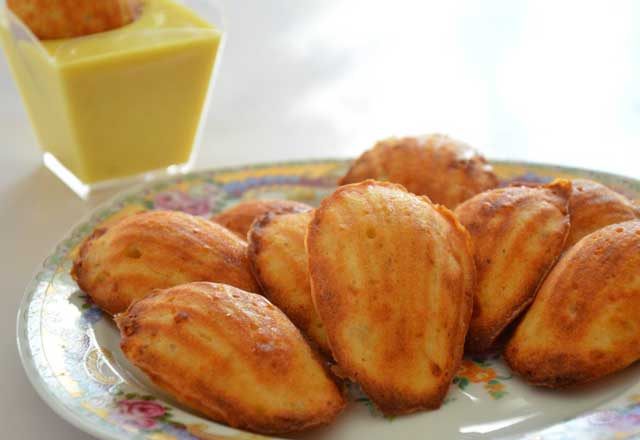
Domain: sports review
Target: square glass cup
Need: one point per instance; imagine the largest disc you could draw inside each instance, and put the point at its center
(121, 105)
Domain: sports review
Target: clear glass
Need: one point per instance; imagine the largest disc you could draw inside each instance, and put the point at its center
(122, 105)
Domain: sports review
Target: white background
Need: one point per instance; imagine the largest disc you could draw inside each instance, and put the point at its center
(545, 81)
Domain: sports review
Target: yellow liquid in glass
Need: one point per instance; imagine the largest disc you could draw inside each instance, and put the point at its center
(121, 102)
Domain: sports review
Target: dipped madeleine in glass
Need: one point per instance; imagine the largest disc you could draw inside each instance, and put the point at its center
(53, 19)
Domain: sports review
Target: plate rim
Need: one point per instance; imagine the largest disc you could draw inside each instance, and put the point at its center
(22, 342)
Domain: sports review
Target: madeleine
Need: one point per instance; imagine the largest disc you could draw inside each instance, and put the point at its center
(518, 233)
(238, 218)
(392, 278)
(444, 169)
(279, 262)
(230, 355)
(594, 206)
(49, 19)
(585, 321)
(124, 262)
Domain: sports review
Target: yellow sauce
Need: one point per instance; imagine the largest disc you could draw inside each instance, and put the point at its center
(120, 102)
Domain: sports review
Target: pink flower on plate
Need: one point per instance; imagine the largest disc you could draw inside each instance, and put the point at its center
(140, 414)
(196, 207)
(171, 200)
(146, 408)
(179, 201)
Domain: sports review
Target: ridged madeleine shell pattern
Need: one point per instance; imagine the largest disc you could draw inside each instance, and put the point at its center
(518, 233)
(585, 321)
(124, 262)
(279, 261)
(594, 206)
(444, 169)
(239, 217)
(392, 278)
(230, 355)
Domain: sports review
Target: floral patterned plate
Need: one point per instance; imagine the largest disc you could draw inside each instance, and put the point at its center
(70, 351)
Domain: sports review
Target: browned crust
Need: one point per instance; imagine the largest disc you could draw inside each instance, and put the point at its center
(79, 271)
(389, 399)
(594, 206)
(263, 220)
(464, 322)
(491, 218)
(123, 262)
(584, 323)
(268, 354)
(261, 246)
(49, 19)
(239, 217)
(438, 166)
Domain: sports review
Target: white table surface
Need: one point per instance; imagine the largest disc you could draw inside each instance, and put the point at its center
(541, 81)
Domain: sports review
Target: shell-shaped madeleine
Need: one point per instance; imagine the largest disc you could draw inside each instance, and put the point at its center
(231, 355)
(438, 166)
(124, 262)
(585, 320)
(238, 218)
(594, 206)
(392, 278)
(279, 261)
(49, 19)
(518, 233)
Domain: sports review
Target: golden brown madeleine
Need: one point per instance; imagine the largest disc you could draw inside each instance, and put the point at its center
(392, 278)
(585, 321)
(594, 206)
(518, 233)
(443, 168)
(158, 249)
(279, 261)
(238, 218)
(231, 355)
(73, 18)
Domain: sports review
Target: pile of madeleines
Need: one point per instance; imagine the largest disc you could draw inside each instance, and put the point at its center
(257, 317)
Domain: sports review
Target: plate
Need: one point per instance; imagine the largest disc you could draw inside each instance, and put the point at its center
(70, 350)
